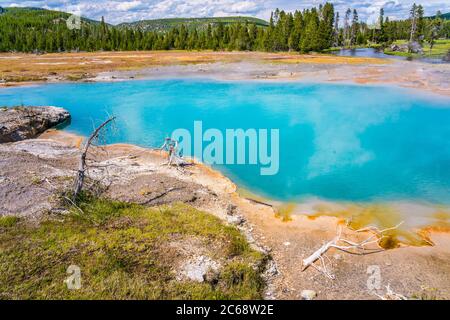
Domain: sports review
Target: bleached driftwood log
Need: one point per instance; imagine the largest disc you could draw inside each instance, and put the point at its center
(318, 255)
(358, 248)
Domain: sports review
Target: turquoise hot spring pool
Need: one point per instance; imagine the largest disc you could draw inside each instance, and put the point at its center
(337, 142)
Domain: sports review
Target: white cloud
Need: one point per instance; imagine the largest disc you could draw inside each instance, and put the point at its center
(128, 5)
(245, 6)
(369, 10)
(203, 8)
(116, 11)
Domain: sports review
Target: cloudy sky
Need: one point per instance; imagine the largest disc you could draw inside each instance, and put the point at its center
(116, 11)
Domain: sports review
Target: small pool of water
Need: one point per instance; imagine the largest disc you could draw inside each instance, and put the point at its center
(377, 53)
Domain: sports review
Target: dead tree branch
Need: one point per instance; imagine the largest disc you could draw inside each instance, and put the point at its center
(391, 295)
(339, 243)
(79, 181)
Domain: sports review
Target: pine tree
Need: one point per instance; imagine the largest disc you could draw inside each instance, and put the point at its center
(326, 26)
(420, 23)
(347, 27)
(435, 29)
(268, 37)
(382, 34)
(295, 36)
(220, 32)
(413, 15)
(336, 31)
(355, 28)
(310, 39)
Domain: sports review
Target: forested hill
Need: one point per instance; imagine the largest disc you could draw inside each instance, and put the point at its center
(41, 30)
(190, 23)
(445, 16)
(38, 15)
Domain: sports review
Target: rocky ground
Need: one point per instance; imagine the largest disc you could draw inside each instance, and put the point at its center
(21, 123)
(35, 171)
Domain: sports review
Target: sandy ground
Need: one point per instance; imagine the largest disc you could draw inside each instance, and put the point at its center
(16, 68)
(20, 69)
(136, 174)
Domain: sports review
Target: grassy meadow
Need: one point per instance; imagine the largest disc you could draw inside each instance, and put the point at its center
(125, 251)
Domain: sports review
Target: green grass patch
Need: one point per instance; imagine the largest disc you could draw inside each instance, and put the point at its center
(123, 252)
(8, 221)
(440, 48)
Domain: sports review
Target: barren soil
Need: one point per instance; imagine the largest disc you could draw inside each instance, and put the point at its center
(22, 69)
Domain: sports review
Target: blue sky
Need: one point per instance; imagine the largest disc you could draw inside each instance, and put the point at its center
(116, 11)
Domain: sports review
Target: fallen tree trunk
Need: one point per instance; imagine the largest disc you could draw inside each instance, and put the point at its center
(318, 254)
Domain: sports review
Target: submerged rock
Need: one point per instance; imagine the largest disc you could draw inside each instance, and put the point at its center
(22, 123)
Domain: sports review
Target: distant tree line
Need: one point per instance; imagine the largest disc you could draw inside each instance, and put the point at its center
(46, 31)
(314, 29)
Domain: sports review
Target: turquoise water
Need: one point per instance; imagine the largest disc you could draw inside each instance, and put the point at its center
(337, 142)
